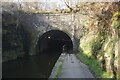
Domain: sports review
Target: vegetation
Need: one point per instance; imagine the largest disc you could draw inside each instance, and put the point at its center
(58, 68)
(100, 48)
(58, 71)
(93, 65)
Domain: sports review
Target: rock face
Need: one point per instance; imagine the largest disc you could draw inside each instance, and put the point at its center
(103, 38)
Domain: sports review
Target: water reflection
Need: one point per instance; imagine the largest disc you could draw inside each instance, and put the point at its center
(38, 66)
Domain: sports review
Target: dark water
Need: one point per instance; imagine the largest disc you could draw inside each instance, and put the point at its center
(38, 66)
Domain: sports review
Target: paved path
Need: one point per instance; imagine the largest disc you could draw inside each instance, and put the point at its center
(73, 68)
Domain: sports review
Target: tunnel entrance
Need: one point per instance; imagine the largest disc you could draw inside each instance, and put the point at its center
(54, 41)
(50, 46)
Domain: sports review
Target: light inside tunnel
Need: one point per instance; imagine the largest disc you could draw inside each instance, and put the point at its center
(54, 41)
(49, 37)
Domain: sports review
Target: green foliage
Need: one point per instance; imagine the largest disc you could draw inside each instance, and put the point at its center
(95, 48)
(93, 44)
(97, 44)
(94, 65)
(102, 45)
(58, 71)
(116, 19)
(118, 75)
(116, 22)
(102, 35)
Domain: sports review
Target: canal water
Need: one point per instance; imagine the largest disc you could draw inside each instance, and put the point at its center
(38, 66)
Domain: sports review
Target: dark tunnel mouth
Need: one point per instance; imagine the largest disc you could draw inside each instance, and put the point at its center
(54, 41)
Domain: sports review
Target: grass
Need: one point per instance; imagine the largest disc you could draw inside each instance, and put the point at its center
(93, 65)
(58, 71)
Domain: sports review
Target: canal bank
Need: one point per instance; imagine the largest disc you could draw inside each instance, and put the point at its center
(68, 66)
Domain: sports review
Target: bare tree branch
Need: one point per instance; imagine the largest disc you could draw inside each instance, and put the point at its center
(68, 5)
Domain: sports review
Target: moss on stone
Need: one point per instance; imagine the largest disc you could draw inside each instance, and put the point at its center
(99, 48)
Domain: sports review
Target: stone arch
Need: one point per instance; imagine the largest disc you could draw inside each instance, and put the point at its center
(59, 37)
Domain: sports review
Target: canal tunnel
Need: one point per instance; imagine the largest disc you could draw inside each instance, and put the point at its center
(54, 41)
(49, 47)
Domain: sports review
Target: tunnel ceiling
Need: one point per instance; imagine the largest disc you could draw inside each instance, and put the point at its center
(53, 41)
(56, 34)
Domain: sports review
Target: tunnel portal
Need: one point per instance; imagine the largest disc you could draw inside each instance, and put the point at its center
(49, 47)
(54, 41)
